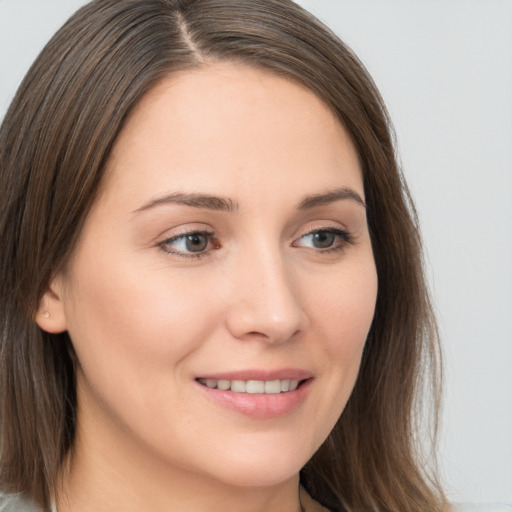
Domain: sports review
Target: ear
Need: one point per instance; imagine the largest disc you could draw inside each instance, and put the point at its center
(51, 316)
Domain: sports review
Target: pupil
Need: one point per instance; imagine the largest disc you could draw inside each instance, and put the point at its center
(323, 239)
(196, 243)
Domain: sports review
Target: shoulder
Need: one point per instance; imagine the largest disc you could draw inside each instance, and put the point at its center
(469, 507)
(15, 503)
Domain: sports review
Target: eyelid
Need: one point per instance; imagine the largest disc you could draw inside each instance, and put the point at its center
(210, 235)
(344, 238)
(344, 234)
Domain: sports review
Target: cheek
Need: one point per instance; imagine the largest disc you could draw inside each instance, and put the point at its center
(131, 323)
(134, 335)
(342, 319)
(344, 308)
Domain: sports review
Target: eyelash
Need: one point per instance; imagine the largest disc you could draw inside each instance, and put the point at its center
(210, 235)
(345, 238)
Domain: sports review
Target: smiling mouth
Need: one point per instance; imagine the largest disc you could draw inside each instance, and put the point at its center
(269, 387)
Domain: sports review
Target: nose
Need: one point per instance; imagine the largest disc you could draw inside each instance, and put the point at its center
(266, 301)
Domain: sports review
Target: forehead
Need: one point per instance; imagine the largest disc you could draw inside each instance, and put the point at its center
(227, 125)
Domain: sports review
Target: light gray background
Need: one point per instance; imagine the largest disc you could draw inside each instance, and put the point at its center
(444, 68)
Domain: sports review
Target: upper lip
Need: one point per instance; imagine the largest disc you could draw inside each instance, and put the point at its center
(259, 374)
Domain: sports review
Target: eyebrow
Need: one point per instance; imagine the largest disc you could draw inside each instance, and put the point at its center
(203, 201)
(329, 197)
(225, 204)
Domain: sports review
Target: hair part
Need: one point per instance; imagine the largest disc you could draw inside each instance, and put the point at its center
(55, 142)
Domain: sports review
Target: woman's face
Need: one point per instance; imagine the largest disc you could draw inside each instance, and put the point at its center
(227, 251)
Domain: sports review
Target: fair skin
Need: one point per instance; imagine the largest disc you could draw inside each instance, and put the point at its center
(229, 242)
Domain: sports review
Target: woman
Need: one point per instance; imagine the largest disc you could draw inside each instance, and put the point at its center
(159, 152)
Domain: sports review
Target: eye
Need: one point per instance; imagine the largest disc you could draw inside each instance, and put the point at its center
(325, 239)
(196, 243)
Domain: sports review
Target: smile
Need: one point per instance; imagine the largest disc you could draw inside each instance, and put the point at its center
(260, 394)
(269, 387)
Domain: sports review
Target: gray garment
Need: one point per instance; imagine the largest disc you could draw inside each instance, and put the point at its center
(470, 507)
(15, 503)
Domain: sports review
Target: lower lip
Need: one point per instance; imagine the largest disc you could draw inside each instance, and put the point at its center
(259, 405)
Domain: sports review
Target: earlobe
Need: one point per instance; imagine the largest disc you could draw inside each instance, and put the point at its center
(51, 316)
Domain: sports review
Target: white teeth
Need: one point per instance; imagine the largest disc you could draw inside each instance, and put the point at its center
(255, 386)
(211, 383)
(238, 386)
(270, 387)
(224, 384)
(273, 387)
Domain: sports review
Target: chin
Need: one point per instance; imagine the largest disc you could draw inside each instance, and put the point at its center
(257, 475)
(261, 466)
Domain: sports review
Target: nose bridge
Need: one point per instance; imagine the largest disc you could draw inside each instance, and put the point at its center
(267, 303)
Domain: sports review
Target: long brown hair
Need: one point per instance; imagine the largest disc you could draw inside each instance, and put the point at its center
(54, 143)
